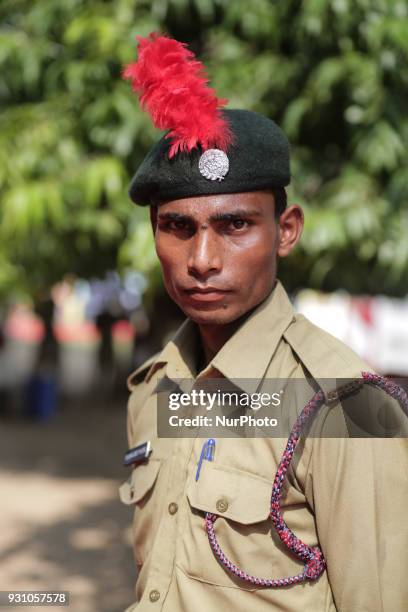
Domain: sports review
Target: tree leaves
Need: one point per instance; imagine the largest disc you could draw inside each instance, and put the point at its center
(333, 73)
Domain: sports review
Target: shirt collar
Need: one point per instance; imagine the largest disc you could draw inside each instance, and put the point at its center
(244, 357)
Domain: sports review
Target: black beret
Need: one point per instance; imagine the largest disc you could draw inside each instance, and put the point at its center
(258, 160)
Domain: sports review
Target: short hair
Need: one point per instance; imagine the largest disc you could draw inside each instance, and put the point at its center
(281, 200)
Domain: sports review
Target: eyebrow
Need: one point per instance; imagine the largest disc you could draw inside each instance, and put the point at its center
(174, 216)
(237, 213)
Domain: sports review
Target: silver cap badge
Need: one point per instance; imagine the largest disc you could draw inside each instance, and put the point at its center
(213, 164)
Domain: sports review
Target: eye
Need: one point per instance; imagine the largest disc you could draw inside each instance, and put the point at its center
(239, 223)
(173, 224)
(181, 228)
(178, 225)
(236, 225)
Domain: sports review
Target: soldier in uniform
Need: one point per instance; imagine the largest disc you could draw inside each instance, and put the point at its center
(215, 184)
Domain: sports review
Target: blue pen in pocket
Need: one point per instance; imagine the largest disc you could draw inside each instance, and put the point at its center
(207, 453)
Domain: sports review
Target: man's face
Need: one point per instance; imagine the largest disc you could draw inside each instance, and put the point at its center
(218, 253)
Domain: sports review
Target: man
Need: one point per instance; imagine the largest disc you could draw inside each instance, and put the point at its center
(219, 241)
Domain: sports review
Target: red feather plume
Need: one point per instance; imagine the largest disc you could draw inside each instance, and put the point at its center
(172, 87)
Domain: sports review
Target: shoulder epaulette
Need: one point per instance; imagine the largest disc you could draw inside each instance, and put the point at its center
(138, 375)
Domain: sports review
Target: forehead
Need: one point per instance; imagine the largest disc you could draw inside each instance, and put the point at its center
(202, 207)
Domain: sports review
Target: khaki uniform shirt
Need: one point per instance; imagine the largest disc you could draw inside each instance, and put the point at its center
(347, 495)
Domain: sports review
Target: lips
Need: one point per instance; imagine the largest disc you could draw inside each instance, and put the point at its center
(205, 294)
(205, 290)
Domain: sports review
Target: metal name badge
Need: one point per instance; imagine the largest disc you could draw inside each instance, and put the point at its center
(137, 453)
(214, 164)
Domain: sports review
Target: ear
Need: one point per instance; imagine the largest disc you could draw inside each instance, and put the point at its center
(290, 224)
(153, 217)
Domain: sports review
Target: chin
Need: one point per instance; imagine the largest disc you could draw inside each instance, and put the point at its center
(218, 316)
(206, 319)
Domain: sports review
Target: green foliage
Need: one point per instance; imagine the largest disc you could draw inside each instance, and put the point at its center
(333, 73)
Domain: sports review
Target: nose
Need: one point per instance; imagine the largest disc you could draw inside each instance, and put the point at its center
(205, 254)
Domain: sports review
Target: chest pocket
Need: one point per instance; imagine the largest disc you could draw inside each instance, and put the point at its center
(142, 490)
(140, 481)
(226, 491)
(244, 531)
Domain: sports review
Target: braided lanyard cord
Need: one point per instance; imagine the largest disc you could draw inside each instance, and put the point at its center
(312, 556)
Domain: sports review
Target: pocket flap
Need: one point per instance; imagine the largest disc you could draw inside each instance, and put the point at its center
(231, 493)
(140, 481)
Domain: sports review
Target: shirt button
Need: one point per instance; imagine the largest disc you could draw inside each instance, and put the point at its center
(173, 507)
(154, 595)
(222, 505)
